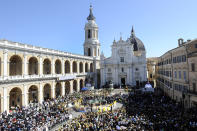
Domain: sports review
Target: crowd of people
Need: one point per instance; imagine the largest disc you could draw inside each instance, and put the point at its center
(139, 112)
(36, 116)
(162, 112)
(44, 116)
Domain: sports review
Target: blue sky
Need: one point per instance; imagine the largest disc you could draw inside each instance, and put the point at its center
(59, 24)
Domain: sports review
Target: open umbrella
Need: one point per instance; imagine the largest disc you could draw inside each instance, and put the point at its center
(84, 89)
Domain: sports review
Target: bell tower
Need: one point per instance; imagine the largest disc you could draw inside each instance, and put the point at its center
(91, 44)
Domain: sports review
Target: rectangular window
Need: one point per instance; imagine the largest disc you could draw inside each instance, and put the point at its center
(179, 74)
(174, 60)
(195, 45)
(122, 69)
(121, 59)
(170, 61)
(193, 66)
(183, 58)
(109, 69)
(175, 75)
(184, 75)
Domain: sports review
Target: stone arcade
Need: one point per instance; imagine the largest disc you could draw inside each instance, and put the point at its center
(33, 74)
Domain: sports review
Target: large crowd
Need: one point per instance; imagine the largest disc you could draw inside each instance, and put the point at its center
(161, 112)
(36, 116)
(139, 112)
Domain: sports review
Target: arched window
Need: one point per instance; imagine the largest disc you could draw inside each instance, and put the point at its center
(47, 91)
(33, 94)
(74, 67)
(89, 34)
(47, 66)
(15, 65)
(67, 67)
(58, 67)
(67, 87)
(81, 84)
(75, 86)
(58, 90)
(89, 52)
(91, 67)
(86, 67)
(33, 66)
(15, 97)
(81, 67)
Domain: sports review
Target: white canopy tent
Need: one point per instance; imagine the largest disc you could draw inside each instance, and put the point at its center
(148, 88)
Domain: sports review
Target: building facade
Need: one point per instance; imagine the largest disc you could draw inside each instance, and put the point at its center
(152, 69)
(31, 74)
(127, 64)
(176, 72)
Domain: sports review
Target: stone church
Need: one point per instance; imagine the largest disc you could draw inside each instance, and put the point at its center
(127, 64)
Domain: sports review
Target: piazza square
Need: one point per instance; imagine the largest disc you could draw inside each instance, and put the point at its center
(129, 84)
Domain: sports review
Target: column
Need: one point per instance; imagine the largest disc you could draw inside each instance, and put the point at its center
(53, 90)
(63, 88)
(25, 65)
(71, 67)
(71, 86)
(78, 85)
(41, 66)
(53, 66)
(40, 93)
(5, 63)
(25, 96)
(5, 99)
(63, 71)
(84, 65)
(78, 67)
(96, 51)
(88, 67)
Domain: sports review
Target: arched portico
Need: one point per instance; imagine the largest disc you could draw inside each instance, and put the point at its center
(58, 67)
(91, 67)
(81, 67)
(86, 81)
(81, 84)
(33, 66)
(75, 85)
(67, 87)
(33, 94)
(67, 66)
(74, 67)
(47, 91)
(58, 90)
(47, 66)
(86, 67)
(15, 97)
(15, 67)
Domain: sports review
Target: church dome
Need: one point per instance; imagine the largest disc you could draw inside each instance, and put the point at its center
(136, 42)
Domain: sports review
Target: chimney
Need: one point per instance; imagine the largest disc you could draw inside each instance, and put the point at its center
(180, 41)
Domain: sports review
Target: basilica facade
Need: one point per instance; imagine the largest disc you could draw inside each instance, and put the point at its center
(127, 64)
